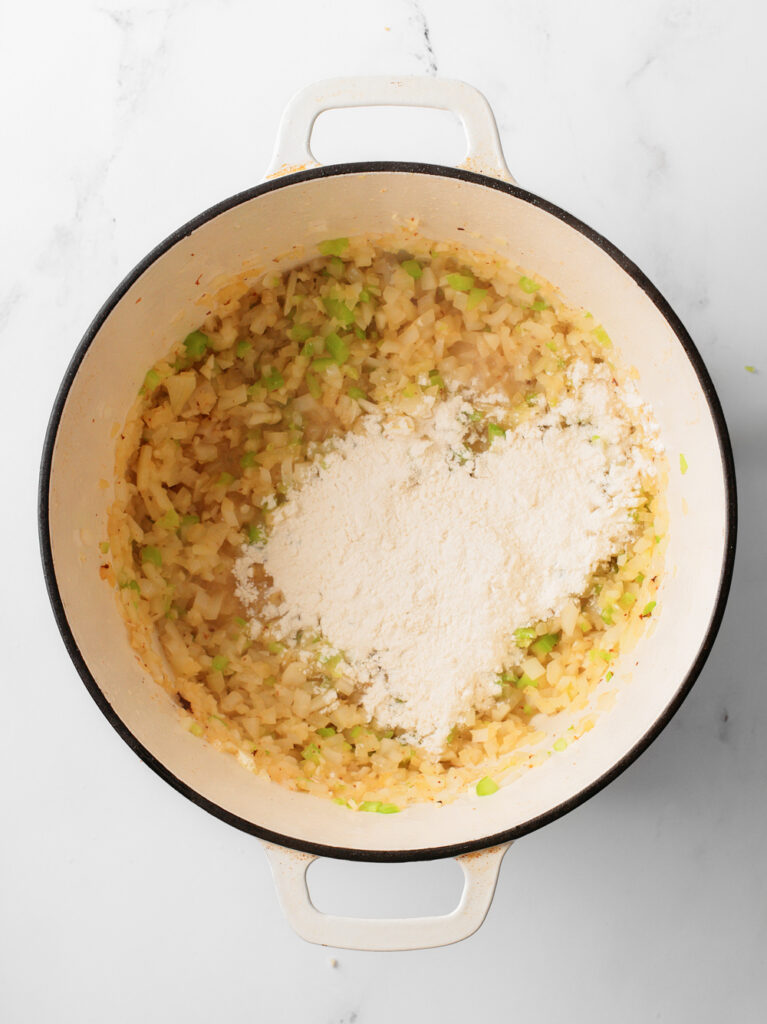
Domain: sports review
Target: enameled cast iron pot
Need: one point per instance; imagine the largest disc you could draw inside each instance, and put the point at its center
(301, 203)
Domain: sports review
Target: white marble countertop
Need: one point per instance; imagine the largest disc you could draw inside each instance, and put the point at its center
(123, 902)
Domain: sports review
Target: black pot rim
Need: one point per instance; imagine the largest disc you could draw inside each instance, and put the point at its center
(453, 849)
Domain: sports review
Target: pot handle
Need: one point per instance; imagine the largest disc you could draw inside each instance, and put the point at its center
(293, 150)
(480, 872)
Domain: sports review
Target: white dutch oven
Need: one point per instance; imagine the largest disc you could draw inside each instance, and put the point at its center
(302, 203)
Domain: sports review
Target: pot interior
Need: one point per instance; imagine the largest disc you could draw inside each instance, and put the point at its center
(168, 298)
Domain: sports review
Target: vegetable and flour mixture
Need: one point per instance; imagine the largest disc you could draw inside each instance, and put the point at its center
(383, 513)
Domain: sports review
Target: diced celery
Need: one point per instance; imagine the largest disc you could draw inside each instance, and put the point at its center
(560, 744)
(596, 655)
(648, 609)
(311, 752)
(412, 267)
(528, 285)
(152, 555)
(751, 369)
(370, 805)
(450, 736)
(524, 637)
(323, 363)
(410, 391)
(639, 579)
(528, 709)
(494, 430)
(225, 480)
(195, 344)
(273, 380)
(239, 621)
(195, 729)
(307, 350)
(388, 809)
(333, 246)
(545, 644)
(364, 296)
(476, 295)
(301, 332)
(460, 282)
(486, 786)
(104, 547)
(626, 600)
(525, 681)
(606, 615)
(326, 730)
(602, 337)
(248, 460)
(357, 393)
(539, 305)
(313, 385)
(220, 663)
(169, 520)
(242, 348)
(682, 464)
(274, 647)
(435, 379)
(475, 416)
(337, 347)
(355, 731)
(189, 520)
(256, 534)
(609, 675)
(531, 398)
(359, 333)
(151, 381)
(339, 310)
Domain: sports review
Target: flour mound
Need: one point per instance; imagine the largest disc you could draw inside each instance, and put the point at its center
(418, 559)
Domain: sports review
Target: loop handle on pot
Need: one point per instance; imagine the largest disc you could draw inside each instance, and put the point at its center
(480, 872)
(293, 150)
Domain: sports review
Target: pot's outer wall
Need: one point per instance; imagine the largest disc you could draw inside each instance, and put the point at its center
(166, 296)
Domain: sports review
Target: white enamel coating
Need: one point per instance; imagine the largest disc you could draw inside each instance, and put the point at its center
(280, 227)
(480, 872)
(293, 148)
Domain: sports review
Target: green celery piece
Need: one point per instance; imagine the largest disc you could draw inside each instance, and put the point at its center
(528, 286)
(189, 520)
(683, 467)
(274, 647)
(486, 786)
(355, 731)
(152, 555)
(323, 363)
(364, 296)
(311, 752)
(751, 369)
(359, 333)
(524, 637)
(370, 805)
(560, 744)
(195, 344)
(308, 350)
(606, 615)
(357, 393)
(248, 460)
(333, 246)
(435, 379)
(531, 398)
(525, 681)
(639, 579)
(460, 282)
(273, 380)
(256, 534)
(475, 416)
(539, 305)
(648, 609)
(337, 347)
(239, 621)
(410, 391)
(301, 332)
(528, 709)
(151, 381)
(242, 348)
(312, 384)
(225, 479)
(602, 337)
(195, 729)
(220, 663)
(388, 809)
(493, 430)
(339, 310)
(609, 676)
(626, 600)
(412, 267)
(476, 295)
(327, 730)
(545, 644)
(169, 520)
(451, 735)
(104, 547)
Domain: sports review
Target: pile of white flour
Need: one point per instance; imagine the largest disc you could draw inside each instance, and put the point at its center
(419, 562)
